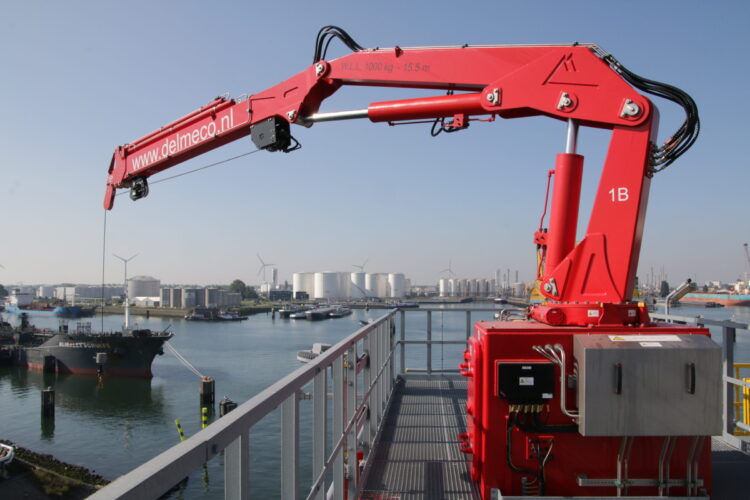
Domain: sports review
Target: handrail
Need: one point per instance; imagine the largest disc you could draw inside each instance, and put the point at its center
(158, 475)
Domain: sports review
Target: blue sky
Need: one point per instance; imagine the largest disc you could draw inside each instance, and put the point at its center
(79, 78)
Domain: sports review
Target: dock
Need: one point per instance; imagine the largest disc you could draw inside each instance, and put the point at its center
(399, 422)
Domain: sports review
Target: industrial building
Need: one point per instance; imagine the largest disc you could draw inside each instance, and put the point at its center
(348, 285)
(143, 286)
(190, 297)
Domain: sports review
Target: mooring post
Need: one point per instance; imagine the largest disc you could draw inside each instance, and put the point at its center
(48, 402)
(226, 405)
(208, 385)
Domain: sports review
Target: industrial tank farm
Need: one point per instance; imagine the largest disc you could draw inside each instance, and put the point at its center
(348, 285)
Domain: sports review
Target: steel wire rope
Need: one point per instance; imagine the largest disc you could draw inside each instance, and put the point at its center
(204, 167)
(182, 359)
(104, 256)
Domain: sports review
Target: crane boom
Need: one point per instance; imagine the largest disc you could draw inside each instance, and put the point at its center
(575, 83)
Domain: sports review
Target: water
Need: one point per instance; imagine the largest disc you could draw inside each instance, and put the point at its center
(114, 428)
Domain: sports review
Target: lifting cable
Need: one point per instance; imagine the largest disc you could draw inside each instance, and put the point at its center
(182, 359)
(204, 167)
(104, 244)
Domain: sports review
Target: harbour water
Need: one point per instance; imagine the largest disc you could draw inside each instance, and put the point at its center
(117, 426)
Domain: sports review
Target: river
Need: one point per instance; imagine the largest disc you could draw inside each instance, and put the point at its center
(116, 427)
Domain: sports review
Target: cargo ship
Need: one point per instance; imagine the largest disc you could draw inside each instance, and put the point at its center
(725, 298)
(128, 353)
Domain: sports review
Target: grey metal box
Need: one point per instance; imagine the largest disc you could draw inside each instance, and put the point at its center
(669, 385)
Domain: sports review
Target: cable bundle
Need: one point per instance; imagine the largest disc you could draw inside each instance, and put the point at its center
(326, 35)
(683, 139)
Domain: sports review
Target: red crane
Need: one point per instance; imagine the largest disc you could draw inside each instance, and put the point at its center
(656, 390)
(579, 84)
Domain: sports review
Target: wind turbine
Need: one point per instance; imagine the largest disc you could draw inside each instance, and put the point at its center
(362, 267)
(263, 267)
(449, 270)
(127, 299)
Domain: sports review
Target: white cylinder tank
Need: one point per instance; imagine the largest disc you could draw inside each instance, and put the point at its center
(444, 287)
(358, 285)
(303, 282)
(519, 289)
(326, 285)
(345, 285)
(397, 285)
(376, 284)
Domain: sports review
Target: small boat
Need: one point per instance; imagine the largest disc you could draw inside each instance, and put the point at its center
(339, 312)
(287, 312)
(310, 354)
(401, 305)
(6, 455)
(213, 314)
(298, 315)
(319, 313)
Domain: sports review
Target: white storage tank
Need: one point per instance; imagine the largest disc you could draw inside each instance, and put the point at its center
(471, 288)
(303, 282)
(358, 285)
(519, 289)
(345, 285)
(143, 286)
(444, 287)
(326, 285)
(396, 285)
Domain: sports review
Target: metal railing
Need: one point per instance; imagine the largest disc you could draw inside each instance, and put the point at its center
(357, 415)
(735, 424)
(360, 370)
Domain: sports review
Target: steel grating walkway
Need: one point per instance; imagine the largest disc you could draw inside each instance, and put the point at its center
(417, 455)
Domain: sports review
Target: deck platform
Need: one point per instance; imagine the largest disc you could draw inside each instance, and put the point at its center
(417, 456)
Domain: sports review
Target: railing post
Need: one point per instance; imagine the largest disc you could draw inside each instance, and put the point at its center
(237, 468)
(367, 434)
(403, 338)
(351, 404)
(338, 426)
(290, 447)
(391, 351)
(375, 394)
(727, 348)
(429, 342)
(320, 418)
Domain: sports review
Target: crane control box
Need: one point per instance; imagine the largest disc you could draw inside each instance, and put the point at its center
(648, 385)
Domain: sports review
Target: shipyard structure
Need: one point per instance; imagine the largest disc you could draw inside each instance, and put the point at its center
(347, 285)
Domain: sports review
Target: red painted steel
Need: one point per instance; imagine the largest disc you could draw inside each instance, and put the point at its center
(589, 284)
(566, 197)
(510, 82)
(572, 454)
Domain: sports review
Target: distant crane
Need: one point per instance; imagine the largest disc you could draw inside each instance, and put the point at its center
(449, 270)
(362, 267)
(263, 267)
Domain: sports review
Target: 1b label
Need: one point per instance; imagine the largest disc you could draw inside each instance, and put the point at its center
(619, 194)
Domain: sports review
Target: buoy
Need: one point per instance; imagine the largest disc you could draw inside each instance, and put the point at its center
(179, 429)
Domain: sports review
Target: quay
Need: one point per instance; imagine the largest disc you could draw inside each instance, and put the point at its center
(394, 427)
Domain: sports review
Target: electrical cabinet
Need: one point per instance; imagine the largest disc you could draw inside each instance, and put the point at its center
(648, 385)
